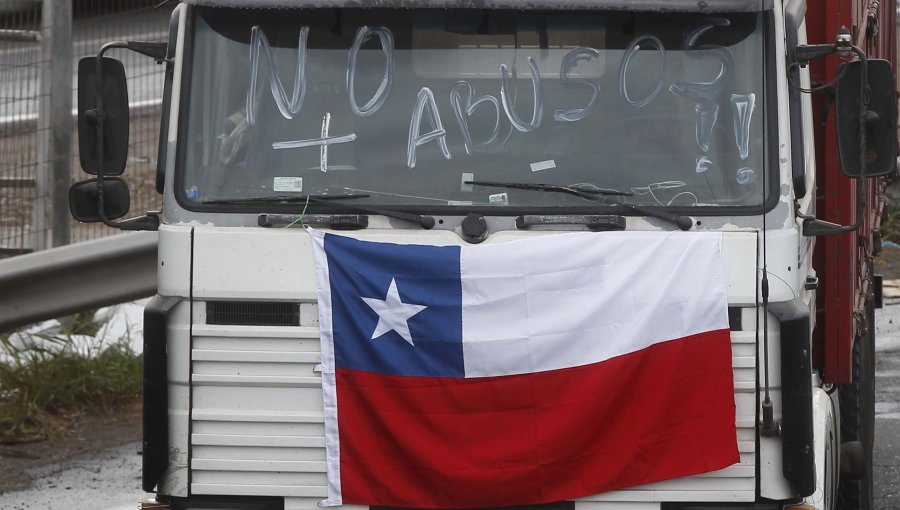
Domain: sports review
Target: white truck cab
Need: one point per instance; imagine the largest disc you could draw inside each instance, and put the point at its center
(454, 123)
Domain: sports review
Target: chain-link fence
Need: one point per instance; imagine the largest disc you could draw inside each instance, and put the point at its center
(24, 200)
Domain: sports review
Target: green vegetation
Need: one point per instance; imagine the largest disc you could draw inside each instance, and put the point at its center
(41, 386)
(890, 220)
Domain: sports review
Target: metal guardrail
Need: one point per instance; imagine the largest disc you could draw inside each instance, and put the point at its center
(19, 35)
(82, 276)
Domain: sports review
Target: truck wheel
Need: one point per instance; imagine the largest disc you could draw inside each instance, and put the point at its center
(858, 418)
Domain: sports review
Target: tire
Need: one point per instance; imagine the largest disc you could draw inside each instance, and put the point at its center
(858, 418)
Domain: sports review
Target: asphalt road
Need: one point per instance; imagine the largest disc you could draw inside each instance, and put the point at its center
(110, 479)
(104, 480)
(887, 406)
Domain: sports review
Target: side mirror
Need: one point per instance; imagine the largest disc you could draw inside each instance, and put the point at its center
(881, 118)
(102, 109)
(84, 200)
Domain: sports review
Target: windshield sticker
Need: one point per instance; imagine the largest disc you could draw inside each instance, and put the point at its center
(288, 184)
(543, 165)
(499, 199)
(466, 178)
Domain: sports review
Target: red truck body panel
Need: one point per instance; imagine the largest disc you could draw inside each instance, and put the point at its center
(844, 262)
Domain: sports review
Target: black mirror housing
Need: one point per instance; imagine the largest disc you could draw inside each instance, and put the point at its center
(881, 118)
(84, 200)
(106, 83)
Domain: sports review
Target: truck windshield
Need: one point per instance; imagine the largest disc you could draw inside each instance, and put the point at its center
(410, 106)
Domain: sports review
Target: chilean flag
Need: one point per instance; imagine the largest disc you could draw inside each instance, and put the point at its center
(532, 371)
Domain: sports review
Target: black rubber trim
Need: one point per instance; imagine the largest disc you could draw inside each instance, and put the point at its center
(878, 290)
(735, 321)
(704, 7)
(156, 396)
(798, 456)
(163, 149)
(759, 505)
(798, 161)
(228, 503)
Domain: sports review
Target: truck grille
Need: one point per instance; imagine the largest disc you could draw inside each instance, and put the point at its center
(257, 421)
(252, 313)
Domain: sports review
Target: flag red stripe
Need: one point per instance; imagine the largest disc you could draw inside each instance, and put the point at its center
(663, 412)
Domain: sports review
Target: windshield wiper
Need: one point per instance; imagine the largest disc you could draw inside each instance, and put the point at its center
(284, 199)
(596, 194)
(583, 192)
(596, 222)
(680, 221)
(426, 222)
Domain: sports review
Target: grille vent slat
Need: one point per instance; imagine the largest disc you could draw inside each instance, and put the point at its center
(252, 313)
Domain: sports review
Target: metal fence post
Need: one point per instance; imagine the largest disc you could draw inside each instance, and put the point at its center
(54, 146)
(61, 108)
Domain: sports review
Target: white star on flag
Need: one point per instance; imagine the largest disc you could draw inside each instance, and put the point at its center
(393, 314)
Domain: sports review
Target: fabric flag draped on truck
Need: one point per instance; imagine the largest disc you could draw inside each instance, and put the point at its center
(525, 372)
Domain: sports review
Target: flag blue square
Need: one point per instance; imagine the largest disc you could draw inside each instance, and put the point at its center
(366, 277)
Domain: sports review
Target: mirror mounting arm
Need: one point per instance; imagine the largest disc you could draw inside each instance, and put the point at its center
(97, 117)
(149, 221)
(157, 50)
(843, 46)
(806, 53)
(99, 120)
(815, 227)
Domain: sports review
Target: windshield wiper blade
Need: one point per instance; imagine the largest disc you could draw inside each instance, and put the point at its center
(680, 221)
(283, 199)
(597, 194)
(426, 222)
(580, 191)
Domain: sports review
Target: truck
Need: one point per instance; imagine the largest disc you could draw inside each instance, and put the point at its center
(768, 123)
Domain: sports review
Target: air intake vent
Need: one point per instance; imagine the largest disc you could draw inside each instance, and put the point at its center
(252, 313)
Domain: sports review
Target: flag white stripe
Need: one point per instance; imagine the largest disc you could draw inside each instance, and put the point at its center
(527, 309)
(329, 386)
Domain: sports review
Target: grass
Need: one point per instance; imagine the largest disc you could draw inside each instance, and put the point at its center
(890, 220)
(45, 383)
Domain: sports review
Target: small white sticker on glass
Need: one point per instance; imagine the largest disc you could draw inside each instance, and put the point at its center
(499, 199)
(466, 177)
(543, 165)
(293, 184)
